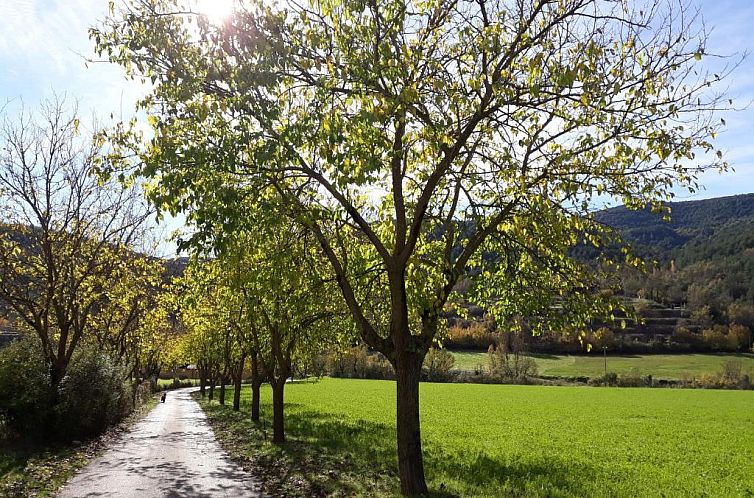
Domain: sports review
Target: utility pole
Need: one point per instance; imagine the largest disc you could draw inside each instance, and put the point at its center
(604, 352)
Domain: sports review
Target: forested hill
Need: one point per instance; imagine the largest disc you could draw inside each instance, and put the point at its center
(705, 254)
(707, 227)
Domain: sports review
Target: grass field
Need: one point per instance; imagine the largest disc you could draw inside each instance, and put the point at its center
(660, 366)
(497, 440)
(162, 383)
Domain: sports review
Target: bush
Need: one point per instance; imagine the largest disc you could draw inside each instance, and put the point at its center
(358, 363)
(634, 379)
(348, 362)
(176, 384)
(608, 379)
(477, 335)
(682, 335)
(378, 367)
(438, 363)
(730, 376)
(739, 335)
(717, 339)
(510, 366)
(25, 396)
(92, 396)
(730, 371)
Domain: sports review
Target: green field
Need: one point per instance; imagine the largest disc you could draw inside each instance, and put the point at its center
(660, 366)
(163, 383)
(497, 440)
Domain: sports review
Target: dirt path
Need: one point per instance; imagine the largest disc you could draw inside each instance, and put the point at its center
(170, 453)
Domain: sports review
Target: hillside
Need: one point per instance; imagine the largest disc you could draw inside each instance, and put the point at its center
(726, 222)
(705, 254)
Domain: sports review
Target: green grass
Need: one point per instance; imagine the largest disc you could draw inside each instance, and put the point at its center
(660, 366)
(498, 440)
(29, 470)
(162, 383)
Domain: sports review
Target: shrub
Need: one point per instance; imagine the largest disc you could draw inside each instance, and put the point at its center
(93, 395)
(176, 384)
(25, 396)
(634, 379)
(608, 379)
(683, 335)
(742, 314)
(730, 371)
(740, 336)
(357, 362)
(316, 366)
(347, 362)
(702, 316)
(438, 363)
(377, 367)
(510, 366)
(477, 335)
(716, 339)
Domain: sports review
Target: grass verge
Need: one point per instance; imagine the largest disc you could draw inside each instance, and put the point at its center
(36, 470)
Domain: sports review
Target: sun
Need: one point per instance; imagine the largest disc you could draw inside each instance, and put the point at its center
(217, 11)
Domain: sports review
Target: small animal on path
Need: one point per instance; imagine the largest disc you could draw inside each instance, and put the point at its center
(162, 398)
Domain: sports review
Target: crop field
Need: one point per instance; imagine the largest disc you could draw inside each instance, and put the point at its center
(660, 366)
(498, 440)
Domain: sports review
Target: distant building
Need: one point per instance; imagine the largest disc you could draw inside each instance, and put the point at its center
(8, 335)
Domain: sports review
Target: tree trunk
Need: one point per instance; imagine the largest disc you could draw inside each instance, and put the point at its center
(57, 372)
(202, 384)
(256, 383)
(278, 427)
(212, 382)
(410, 462)
(222, 390)
(255, 388)
(237, 392)
(408, 359)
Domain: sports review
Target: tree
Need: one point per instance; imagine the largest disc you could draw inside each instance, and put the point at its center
(741, 313)
(157, 343)
(68, 267)
(207, 309)
(291, 315)
(422, 143)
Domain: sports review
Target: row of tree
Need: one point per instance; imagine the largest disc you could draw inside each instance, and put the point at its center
(76, 281)
(264, 298)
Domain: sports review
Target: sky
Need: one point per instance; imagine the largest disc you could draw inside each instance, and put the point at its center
(44, 44)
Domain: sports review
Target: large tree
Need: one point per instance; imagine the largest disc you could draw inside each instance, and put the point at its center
(422, 142)
(68, 267)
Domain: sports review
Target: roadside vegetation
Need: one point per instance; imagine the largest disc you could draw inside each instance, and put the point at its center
(31, 468)
(85, 305)
(490, 440)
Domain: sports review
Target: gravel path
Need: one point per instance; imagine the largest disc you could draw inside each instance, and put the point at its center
(170, 453)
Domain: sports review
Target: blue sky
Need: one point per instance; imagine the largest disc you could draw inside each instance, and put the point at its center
(43, 44)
